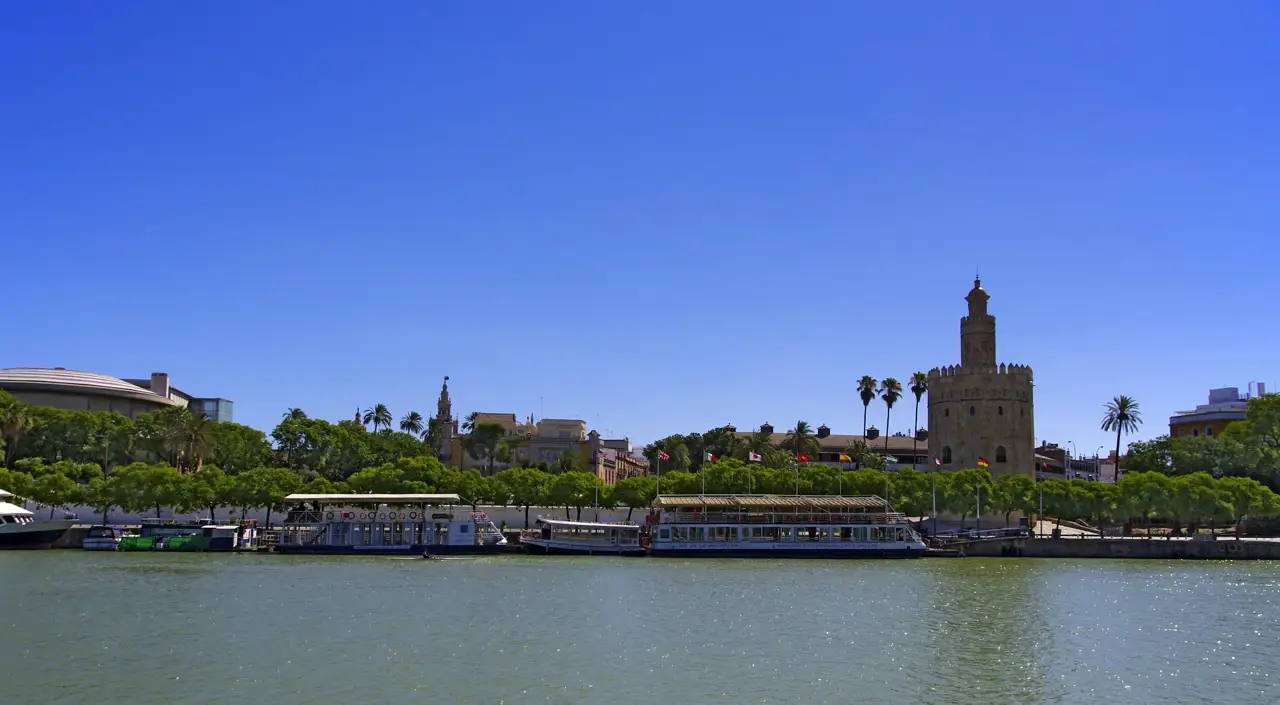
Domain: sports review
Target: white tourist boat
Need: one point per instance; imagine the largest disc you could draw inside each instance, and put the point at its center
(20, 528)
(780, 526)
(582, 538)
(386, 524)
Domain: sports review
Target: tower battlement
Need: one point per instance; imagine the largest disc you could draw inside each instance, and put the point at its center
(1011, 369)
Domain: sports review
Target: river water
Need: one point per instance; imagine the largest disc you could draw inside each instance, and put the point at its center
(136, 628)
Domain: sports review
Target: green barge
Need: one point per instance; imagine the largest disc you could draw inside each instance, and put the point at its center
(204, 535)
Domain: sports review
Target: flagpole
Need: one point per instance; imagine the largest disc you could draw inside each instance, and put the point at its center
(934, 477)
(657, 483)
(979, 496)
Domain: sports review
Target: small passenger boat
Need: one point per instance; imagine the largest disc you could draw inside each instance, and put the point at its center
(780, 526)
(386, 524)
(582, 538)
(157, 534)
(19, 528)
(102, 538)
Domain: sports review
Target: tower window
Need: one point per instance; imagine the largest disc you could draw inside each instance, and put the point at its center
(1195, 432)
(1001, 456)
(973, 411)
(1208, 430)
(1022, 413)
(946, 454)
(946, 412)
(1000, 411)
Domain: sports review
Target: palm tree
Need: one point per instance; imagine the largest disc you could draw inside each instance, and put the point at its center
(433, 434)
(867, 388)
(800, 440)
(197, 439)
(295, 414)
(919, 385)
(1122, 416)
(411, 423)
(378, 415)
(760, 442)
(469, 423)
(891, 392)
(15, 420)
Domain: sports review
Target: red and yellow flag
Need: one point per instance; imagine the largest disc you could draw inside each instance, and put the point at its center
(844, 458)
(982, 462)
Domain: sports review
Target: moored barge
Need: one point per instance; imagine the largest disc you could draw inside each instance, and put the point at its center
(780, 526)
(582, 538)
(386, 524)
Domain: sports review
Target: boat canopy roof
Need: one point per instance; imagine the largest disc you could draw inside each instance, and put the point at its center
(379, 498)
(823, 503)
(587, 524)
(13, 510)
(4, 494)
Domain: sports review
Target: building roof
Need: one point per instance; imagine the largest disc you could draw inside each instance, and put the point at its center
(384, 498)
(75, 381)
(13, 510)
(837, 442)
(767, 500)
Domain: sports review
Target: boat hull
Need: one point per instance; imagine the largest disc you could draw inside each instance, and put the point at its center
(411, 550)
(38, 535)
(554, 549)
(101, 544)
(783, 553)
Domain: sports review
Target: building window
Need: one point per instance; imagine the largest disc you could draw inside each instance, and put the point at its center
(1022, 413)
(1001, 457)
(1195, 432)
(946, 454)
(972, 411)
(1000, 411)
(946, 412)
(1208, 430)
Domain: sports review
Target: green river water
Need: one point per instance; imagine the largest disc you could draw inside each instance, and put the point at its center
(142, 629)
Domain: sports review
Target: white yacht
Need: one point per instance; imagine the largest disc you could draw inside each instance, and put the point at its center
(779, 526)
(20, 528)
(582, 538)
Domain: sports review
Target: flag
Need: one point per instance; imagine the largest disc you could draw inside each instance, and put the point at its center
(754, 457)
(982, 462)
(802, 458)
(844, 458)
(662, 455)
(937, 461)
(711, 458)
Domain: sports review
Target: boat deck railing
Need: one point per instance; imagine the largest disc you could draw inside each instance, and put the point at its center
(785, 518)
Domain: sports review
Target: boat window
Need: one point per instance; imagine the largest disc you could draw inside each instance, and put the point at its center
(664, 534)
(784, 533)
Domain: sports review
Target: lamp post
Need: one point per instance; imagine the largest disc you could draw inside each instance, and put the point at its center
(922, 435)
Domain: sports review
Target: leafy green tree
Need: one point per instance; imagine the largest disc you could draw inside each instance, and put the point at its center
(378, 415)
(54, 490)
(1014, 493)
(911, 492)
(965, 489)
(482, 443)
(266, 488)
(635, 492)
(574, 489)
(526, 487)
(237, 448)
(1122, 416)
(218, 490)
(1155, 455)
(568, 461)
(411, 423)
(17, 483)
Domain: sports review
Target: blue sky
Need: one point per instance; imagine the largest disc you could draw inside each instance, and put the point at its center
(658, 217)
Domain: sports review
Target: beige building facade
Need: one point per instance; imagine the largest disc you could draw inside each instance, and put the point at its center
(981, 408)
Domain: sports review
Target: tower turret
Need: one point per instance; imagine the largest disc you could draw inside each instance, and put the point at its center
(978, 332)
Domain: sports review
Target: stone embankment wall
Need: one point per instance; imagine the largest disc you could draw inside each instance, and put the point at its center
(1125, 548)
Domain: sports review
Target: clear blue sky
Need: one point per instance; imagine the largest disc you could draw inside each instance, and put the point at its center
(658, 217)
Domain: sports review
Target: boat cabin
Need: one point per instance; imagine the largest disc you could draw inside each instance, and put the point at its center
(587, 532)
(776, 518)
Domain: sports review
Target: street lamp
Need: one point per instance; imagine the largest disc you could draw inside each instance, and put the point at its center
(921, 436)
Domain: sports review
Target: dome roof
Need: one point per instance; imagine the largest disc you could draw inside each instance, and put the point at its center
(74, 381)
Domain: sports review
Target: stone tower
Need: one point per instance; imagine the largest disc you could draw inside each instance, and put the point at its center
(981, 409)
(448, 424)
